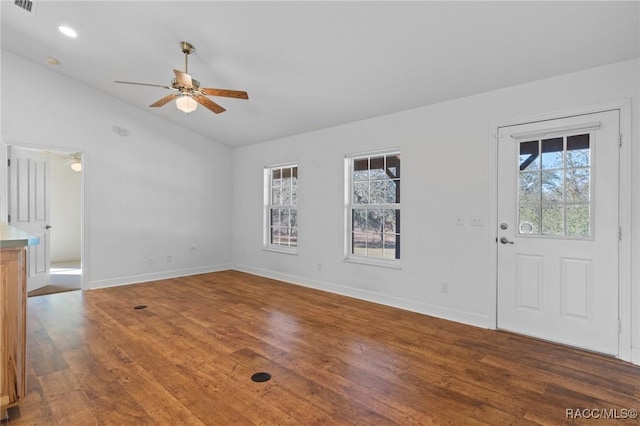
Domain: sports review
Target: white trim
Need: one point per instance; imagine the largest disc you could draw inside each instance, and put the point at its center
(281, 249)
(625, 300)
(156, 276)
(555, 130)
(476, 320)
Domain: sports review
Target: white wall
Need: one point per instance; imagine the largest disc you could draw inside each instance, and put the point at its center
(446, 156)
(65, 186)
(155, 193)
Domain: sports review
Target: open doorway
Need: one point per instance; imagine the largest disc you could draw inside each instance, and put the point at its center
(45, 199)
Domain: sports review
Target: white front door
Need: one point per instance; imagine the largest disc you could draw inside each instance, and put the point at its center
(558, 230)
(29, 209)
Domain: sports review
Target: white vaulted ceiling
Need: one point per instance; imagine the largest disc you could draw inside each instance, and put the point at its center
(311, 65)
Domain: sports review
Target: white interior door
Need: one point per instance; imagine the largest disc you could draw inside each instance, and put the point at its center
(558, 230)
(29, 209)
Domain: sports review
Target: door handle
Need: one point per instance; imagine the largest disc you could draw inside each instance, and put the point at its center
(48, 227)
(505, 240)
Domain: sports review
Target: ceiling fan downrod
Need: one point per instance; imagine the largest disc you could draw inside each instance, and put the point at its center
(187, 49)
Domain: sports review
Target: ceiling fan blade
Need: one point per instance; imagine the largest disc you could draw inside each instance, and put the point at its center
(164, 100)
(209, 104)
(142, 84)
(183, 78)
(238, 94)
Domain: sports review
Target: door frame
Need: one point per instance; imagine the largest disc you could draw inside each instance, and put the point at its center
(624, 260)
(84, 229)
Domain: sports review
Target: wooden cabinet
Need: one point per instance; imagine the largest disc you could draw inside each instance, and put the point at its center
(13, 327)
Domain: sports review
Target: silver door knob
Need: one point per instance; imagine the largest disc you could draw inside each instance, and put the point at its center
(505, 240)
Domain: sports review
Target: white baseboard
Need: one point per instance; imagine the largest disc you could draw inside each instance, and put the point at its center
(156, 276)
(408, 305)
(635, 355)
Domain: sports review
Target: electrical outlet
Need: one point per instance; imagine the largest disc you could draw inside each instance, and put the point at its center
(169, 259)
(459, 220)
(150, 260)
(444, 288)
(319, 266)
(476, 221)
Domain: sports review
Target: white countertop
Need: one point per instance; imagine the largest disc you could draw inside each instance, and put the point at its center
(13, 237)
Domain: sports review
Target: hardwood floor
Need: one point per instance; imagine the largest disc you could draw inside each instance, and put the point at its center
(188, 358)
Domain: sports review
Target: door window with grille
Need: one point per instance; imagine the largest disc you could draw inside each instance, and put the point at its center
(554, 187)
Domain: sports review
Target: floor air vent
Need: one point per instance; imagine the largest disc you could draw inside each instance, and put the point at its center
(25, 5)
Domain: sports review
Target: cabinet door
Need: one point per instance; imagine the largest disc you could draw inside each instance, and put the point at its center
(12, 326)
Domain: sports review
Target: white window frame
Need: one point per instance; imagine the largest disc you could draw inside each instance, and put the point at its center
(268, 206)
(349, 256)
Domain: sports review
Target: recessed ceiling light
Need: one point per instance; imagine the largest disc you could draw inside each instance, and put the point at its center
(68, 31)
(52, 61)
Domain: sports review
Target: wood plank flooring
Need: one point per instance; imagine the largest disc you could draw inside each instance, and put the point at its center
(187, 359)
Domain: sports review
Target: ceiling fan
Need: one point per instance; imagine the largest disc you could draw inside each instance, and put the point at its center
(188, 91)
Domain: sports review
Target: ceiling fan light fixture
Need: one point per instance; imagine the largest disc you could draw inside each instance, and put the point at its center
(186, 103)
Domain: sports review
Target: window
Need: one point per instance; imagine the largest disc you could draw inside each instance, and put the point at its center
(554, 188)
(373, 207)
(281, 213)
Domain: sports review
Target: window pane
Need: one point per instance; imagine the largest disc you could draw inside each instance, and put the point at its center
(552, 153)
(529, 219)
(275, 196)
(359, 220)
(284, 217)
(578, 152)
(359, 243)
(529, 156)
(286, 173)
(552, 219)
(275, 217)
(274, 236)
(361, 169)
(361, 192)
(390, 220)
(376, 166)
(389, 247)
(393, 166)
(374, 221)
(294, 194)
(374, 244)
(552, 186)
(378, 191)
(293, 241)
(529, 187)
(578, 187)
(293, 218)
(391, 192)
(578, 220)
(276, 174)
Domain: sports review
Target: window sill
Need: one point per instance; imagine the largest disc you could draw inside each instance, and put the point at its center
(390, 264)
(284, 250)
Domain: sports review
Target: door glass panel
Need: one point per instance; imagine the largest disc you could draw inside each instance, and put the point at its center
(552, 220)
(578, 185)
(555, 188)
(552, 153)
(529, 187)
(529, 223)
(529, 155)
(578, 152)
(578, 220)
(552, 186)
